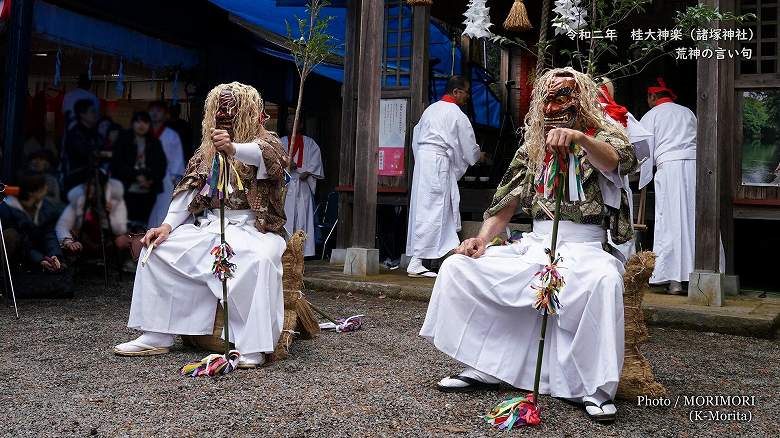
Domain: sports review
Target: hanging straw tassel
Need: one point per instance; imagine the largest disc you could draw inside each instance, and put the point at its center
(517, 20)
(419, 2)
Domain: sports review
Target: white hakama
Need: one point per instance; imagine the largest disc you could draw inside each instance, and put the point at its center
(176, 292)
(299, 204)
(444, 147)
(481, 313)
(674, 156)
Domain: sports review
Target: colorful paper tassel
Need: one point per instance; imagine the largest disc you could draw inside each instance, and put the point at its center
(218, 183)
(518, 411)
(350, 324)
(555, 168)
(223, 268)
(551, 283)
(212, 365)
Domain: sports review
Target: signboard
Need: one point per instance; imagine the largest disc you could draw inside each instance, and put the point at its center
(392, 136)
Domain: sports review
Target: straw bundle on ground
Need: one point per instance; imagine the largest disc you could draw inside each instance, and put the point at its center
(637, 376)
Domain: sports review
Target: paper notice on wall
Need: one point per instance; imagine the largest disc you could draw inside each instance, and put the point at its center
(392, 136)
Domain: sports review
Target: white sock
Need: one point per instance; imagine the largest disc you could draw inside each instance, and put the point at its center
(155, 339)
(252, 358)
(599, 398)
(415, 266)
(479, 375)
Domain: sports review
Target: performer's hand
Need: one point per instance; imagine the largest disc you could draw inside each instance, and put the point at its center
(559, 139)
(222, 142)
(157, 235)
(473, 247)
(72, 246)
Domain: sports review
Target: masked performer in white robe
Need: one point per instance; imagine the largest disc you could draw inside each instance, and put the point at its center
(444, 147)
(306, 170)
(172, 147)
(481, 312)
(674, 156)
(176, 292)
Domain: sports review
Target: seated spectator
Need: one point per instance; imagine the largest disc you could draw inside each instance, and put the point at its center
(79, 226)
(139, 163)
(82, 142)
(29, 230)
(43, 162)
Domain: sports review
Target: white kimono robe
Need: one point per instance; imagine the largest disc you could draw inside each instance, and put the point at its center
(171, 144)
(674, 156)
(176, 292)
(481, 312)
(299, 204)
(444, 146)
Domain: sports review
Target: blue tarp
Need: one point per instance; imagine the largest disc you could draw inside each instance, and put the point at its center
(62, 25)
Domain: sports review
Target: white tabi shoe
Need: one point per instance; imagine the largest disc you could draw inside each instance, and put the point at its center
(468, 380)
(599, 410)
(148, 344)
(251, 361)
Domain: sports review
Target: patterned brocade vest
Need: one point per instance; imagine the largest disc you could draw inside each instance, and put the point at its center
(265, 197)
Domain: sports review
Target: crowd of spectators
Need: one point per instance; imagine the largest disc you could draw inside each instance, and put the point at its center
(101, 185)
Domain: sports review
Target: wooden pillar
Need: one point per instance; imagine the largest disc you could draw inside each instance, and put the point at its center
(706, 283)
(15, 84)
(369, 91)
(348, 122)
(420, 62)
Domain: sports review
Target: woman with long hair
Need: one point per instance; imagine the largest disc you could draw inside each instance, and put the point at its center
(139, 162)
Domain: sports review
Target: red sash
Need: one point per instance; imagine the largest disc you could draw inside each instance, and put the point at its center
(296, 149)
(618, 112)
(449, 99)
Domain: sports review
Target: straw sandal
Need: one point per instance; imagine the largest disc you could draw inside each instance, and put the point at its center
(135, 348)
(471, 385)
(423, 274)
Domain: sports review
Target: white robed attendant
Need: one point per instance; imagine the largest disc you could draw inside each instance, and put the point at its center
(444, 147)
(481, 311)
(641, 139)
(674, 157)
(172, 147)
(176, 293)
(307, 169)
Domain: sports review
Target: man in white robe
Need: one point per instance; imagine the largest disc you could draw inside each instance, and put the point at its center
(176, 293)
(172, 147)
(306, 170)
(674, 156)
(444, 146)
(481, 310)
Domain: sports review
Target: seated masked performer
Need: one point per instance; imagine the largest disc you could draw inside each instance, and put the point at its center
(481, 312)
(175, 293)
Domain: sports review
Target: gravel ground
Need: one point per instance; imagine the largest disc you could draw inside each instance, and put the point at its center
(60, 379)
